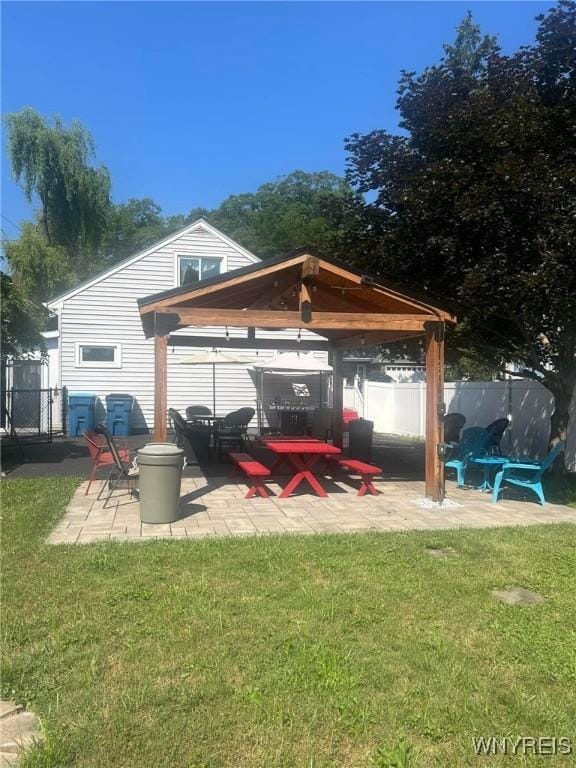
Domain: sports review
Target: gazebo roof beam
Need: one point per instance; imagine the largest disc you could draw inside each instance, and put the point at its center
(353, 321)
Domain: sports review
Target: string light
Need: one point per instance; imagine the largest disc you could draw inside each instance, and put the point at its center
(299, 338)
(227, 334)
(362, 341)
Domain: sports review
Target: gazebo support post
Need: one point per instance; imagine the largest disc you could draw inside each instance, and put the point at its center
(337, 399)
(434, 346)
(160, 386)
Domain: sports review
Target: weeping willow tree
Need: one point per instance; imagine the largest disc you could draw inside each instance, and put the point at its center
(54, 165)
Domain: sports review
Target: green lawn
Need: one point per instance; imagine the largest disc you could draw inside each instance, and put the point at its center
(322, 651)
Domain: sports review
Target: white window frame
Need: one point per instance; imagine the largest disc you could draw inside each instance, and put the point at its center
(116, 363)
(221, 259)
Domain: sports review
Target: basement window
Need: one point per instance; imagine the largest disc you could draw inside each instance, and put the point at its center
(97, 355)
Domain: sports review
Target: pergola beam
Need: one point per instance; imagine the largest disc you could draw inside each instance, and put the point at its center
(310, 268)
(352, 321)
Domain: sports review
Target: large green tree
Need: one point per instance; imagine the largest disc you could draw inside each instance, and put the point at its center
(295, 210)
(54, 166)
(316, 209)
(476, 200)
(132, 227)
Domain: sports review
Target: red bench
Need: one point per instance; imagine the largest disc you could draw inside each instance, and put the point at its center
(348, 415)
(254, 470)
(366, 472)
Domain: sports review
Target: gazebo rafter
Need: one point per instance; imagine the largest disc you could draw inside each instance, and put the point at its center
(346, 307)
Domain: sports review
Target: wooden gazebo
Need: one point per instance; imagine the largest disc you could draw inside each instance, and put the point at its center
(345, 307)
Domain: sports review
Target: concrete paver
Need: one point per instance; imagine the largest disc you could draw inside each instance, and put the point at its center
(217, 507)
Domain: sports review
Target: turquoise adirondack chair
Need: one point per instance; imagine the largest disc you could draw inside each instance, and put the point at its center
(474, 443)
(516, 473)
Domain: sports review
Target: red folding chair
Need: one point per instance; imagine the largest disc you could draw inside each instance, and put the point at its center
(100, 454)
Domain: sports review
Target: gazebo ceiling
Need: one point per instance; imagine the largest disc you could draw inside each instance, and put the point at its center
(300, 291)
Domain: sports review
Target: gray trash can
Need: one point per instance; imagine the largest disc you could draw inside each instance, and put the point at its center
(360, 445)
(160, 476)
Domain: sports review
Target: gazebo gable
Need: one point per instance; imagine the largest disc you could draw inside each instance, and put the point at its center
(299, 291)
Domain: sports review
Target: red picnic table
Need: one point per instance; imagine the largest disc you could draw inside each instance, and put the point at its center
(301, 455)
(265, 439)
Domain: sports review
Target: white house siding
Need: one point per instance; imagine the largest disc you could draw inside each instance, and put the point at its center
(107, 312)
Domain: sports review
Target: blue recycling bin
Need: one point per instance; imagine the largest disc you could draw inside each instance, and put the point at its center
(81, 407)
(119, 414)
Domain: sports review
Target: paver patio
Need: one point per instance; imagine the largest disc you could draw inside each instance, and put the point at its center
(217, 507)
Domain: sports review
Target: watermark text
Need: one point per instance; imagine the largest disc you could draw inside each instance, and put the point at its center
(522, 745)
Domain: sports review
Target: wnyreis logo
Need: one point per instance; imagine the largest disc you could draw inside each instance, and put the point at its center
(523, 745)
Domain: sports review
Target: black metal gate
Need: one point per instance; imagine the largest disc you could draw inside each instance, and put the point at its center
(26, 405)
(28, 414)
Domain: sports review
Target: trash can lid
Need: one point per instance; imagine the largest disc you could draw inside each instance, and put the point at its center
(160, 449)
(81, 394)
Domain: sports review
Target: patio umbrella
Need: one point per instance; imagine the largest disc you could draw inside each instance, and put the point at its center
(213, 357)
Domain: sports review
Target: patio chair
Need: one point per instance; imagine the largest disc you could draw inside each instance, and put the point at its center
(100, 454)
(453, 424)
(193, 439)
(197, 410)
(232, 430)
(122, 469)
(172, 428)
(526, 474)
(496, 429)
(473, 444)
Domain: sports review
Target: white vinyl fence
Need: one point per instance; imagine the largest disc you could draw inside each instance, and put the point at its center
(401, 409)
(354, 397)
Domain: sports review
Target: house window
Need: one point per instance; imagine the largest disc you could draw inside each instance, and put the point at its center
(98, 355)
(192, 269)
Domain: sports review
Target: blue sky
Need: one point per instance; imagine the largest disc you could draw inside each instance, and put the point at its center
(191, 102)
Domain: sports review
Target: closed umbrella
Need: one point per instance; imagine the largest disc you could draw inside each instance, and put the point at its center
(213, 357)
